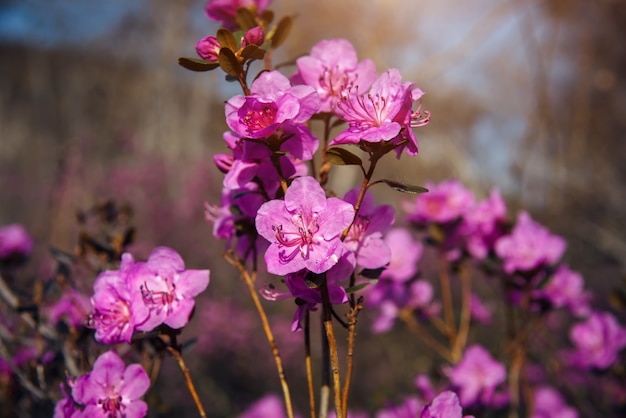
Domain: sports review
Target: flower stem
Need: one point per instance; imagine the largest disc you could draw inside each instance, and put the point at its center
(466, 314)
(175, 350)
(308, 363)
(249, 279)
(446, 297)
(352, 320)
(332, 346)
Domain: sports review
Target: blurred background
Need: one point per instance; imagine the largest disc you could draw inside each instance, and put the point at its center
(528, 96)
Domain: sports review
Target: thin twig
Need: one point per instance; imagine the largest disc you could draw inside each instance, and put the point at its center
(446, 298)
(308, 362)
(466, 313)
(352, 320)
(183, 367)
(406, 315)
(249, 280)
(332, 345)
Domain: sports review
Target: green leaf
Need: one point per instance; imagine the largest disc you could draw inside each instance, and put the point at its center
(195, 64)
(282, 30)
(229, 62)
(356, 288)
(227, 39)
(253, 52)
(404, 188)
(341, 156)
(245, 19)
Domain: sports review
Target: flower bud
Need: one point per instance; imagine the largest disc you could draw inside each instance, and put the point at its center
(208, 48)
(254, 36)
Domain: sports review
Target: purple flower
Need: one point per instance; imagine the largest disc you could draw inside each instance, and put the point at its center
(365, 236)
(598, 341)
(254, 36)
(267, 406)
(162, 290)
(476, 376)
(332, 68)
(112, 316)
(225, 11)
(409, 408)
(72, 307)
(443, 203)
(445, 405)
(15, 242)
(274, 104)
(383, 114)
(566, 288)
(480, 225)
(405, 253)
(111, 389)
(304, 230)
(208, 48)
(529, 246)
(479, 311)
(549, 404)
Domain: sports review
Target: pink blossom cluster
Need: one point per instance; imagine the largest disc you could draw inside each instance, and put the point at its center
(141, 296)
(109, 390)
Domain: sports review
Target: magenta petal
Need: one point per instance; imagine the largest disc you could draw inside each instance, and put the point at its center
(190, 283)
(108, 369)
(270, 84)
(336, 218)
(136, 409)
(374, 253)
(269, 214)
(305, 193)
(166, 256)
(180, 314)
(136, 382)
(275, 266)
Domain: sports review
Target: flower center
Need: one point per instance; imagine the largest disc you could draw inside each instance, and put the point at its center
(358, 229)
(300, 237)
(364, 111)
(112, 406)
(159, 299)
(257, 115)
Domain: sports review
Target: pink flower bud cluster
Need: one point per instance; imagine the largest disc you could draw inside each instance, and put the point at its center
(141, 296)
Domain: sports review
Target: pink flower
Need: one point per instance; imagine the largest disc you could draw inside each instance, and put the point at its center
(365, 238)
(405, 254)
(304, 230)
(111, 389)
(208, 48)
(598, 341)
(445, 202)
(445, 405)
(274, 104)
(72, 307)
(566, 288)
(112, 316)
(481, 225)
(267, 406)
(549, 404)
(225, 11)
(476, 376)
(15, 242)
(529, 246)
(383, 114)
(163, 291)
(332, 69)
(409, 408)
(254, 36)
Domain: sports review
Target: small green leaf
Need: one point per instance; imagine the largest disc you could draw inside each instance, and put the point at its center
(404, 188)
(195, 64)
(245, 19)
(253, 52)
(356, 288)
(282, 30)
(227, 39)
(341, 156)
(229, 62)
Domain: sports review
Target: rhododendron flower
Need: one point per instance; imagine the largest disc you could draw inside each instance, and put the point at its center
(15, 242)
(365, 238)
(443, 203)
(405, 254)
(480, 225)
(163, 291)
(566, 288)
(409, 408)
(254, 36)
(225, 11)
(598, 341)
(208, 48)
(332, 68)
(304, 230)
(72, 307)
(529, 246)
(111, 389)
(274, 104)
(66, 407)
(267, 406)
(549, 403)
(445, 405)
(112, 316)
(383, 114)
(476, 376)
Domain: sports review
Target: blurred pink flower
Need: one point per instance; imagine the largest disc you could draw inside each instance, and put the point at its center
(598, 341)
(267, 406)
(529, 246)
(15, 242)
(476, 376)
(549, 404)
(405, 254)
(225, 11)
(111, 389)
(445, 405)
(444, 202)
